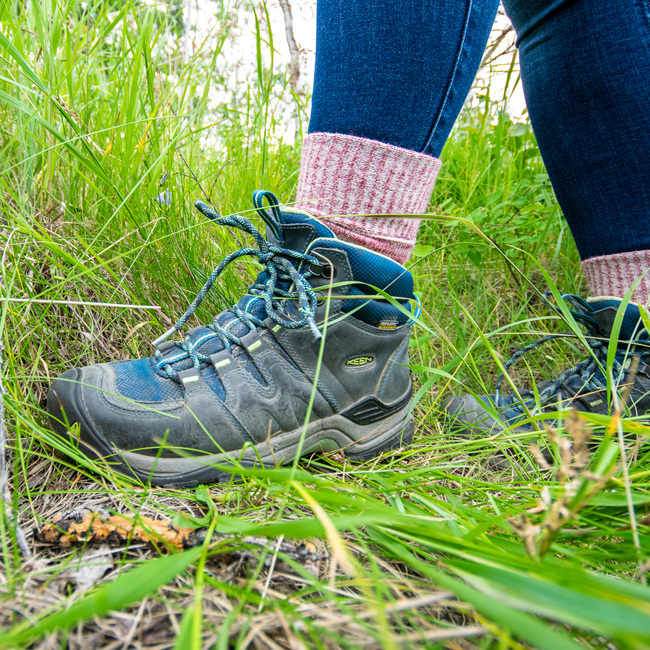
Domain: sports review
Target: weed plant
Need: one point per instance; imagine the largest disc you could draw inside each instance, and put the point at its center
(106, 140)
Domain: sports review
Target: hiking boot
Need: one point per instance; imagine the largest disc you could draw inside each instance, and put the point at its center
(238, 390)
(583, 387)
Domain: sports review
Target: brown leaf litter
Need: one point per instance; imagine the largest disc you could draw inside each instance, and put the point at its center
(92, 527)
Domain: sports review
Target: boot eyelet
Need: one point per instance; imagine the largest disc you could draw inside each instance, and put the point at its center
(328, 271)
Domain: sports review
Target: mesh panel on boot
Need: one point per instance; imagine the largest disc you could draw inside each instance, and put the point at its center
(137, 380)
(209, 375)
(372, 312)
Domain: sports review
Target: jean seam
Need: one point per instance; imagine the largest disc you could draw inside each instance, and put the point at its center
(459, 55)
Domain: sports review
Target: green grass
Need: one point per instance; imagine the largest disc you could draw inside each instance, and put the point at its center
(431, 542)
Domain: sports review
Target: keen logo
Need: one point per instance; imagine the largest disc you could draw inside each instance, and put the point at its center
(359, 361)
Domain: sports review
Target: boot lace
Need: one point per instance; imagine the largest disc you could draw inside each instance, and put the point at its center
(280, 265)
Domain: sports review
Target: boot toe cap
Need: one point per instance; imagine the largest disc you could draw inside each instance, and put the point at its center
(469, 415)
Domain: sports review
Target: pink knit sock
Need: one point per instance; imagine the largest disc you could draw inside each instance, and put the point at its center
(346, 175)
(613, 275)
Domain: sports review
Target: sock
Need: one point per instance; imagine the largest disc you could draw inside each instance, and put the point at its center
(613, 275)
(346, 175)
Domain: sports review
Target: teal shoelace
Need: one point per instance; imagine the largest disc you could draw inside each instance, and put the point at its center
(278, 262)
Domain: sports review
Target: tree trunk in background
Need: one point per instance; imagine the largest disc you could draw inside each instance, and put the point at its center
(294, 69)
(294, 66)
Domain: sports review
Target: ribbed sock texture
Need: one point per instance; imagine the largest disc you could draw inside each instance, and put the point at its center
(613, 275)
(346, 175)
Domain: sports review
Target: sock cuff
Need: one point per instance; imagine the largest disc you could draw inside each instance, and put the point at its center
(346, 175)
(613, 275)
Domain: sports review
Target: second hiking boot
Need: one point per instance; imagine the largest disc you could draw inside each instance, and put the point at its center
(238, 390)
(583, 387)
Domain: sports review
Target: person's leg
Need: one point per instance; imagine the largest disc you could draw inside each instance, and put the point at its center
(585, 67)
(390, 79)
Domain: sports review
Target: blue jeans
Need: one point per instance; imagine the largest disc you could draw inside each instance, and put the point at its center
(398, 71)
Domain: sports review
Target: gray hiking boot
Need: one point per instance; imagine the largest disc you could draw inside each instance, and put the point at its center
(583, 387)
(238, 389)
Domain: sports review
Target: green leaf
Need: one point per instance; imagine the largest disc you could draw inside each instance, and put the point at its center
(526, 627)
(598, 613)
(520, 128)
(419, 250)
(181, 521)
(619, 499)
(202, 496)
(475, 257)
(185, 638)
(65, 142)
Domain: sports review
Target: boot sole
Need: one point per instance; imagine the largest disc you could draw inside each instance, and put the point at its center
(359, 443)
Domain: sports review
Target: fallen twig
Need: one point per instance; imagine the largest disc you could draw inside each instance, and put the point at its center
(94, 528)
